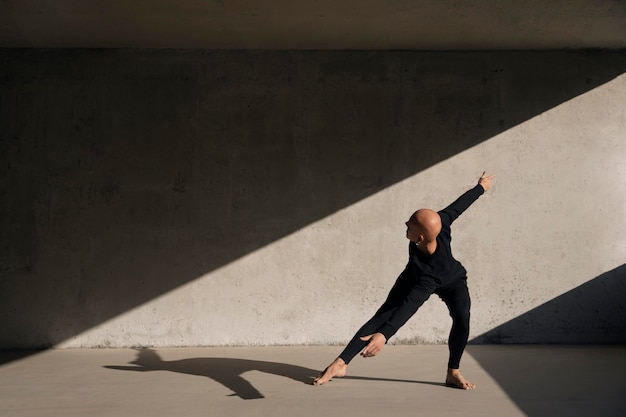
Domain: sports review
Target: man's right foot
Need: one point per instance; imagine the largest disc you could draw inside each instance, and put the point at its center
(454, 379)
(336, 369)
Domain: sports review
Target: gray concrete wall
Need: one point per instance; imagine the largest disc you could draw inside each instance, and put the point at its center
(183, 198)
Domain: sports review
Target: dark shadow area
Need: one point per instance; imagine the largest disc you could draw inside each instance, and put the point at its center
(548, 381)
(539, 378)
(127, 173)
(594, 312)
(228, 371)
(7, 356)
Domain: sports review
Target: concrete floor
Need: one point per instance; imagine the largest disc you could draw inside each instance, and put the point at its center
(512, 381)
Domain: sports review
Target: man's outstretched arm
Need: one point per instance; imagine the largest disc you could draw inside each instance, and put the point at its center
(461, 204)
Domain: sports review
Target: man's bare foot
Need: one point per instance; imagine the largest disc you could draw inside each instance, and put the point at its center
(455, 379)
(336, 369)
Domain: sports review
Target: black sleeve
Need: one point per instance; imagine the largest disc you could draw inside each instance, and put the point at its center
(454, 210)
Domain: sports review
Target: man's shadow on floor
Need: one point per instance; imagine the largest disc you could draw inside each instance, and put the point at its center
(228, 371)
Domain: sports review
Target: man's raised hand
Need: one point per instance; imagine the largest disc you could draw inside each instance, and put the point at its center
(485, 181)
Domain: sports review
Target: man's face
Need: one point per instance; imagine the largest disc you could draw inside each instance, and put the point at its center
(411, 230)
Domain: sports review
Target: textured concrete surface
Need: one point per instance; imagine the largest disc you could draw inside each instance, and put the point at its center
(193, 198)
(322, 24)
(512, 381)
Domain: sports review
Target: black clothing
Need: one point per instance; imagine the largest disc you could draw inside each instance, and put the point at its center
(424, 275)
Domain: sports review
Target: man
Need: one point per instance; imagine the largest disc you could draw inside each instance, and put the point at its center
(431, 269)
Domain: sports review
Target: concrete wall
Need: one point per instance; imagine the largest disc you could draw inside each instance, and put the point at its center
(178, 198)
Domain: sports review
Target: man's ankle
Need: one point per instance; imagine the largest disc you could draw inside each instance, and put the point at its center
(340, 361)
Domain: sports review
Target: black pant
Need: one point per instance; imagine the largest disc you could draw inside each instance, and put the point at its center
(453, 292)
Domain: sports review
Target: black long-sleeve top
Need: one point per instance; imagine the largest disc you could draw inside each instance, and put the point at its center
(430, 271)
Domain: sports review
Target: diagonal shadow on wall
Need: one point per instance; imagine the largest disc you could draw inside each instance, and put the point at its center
(129, 173)
(591, 313)
(537, 378)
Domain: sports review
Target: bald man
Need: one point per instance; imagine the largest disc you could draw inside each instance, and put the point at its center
(431, 270)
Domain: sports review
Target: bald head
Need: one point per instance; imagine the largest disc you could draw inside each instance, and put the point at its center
(424, 225)
(429, 222)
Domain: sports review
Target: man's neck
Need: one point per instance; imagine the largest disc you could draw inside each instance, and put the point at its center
(427, 248)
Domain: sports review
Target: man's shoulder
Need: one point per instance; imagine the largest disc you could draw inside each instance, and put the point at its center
(446, 218)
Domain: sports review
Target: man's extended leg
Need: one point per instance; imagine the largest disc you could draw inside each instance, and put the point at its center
(404, 284)
(338, 367)
(457, 298)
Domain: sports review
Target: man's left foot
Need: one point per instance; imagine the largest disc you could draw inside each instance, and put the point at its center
(455, 379)
(336, 369)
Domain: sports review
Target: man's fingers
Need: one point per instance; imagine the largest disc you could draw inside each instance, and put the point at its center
(367, 351)
(375, 344)
(485, 180)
